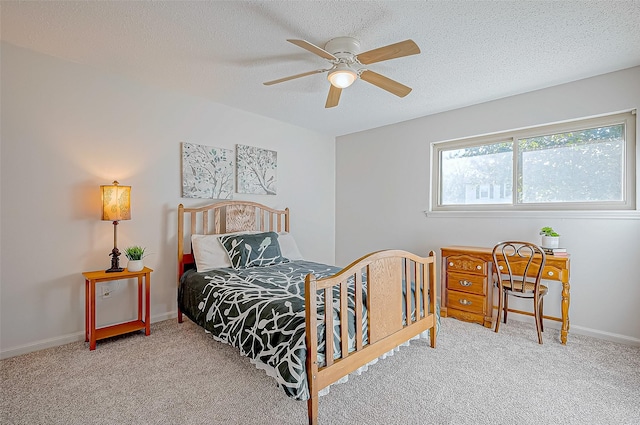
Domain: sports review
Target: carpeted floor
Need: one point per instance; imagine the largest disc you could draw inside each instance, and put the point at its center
(179, 375)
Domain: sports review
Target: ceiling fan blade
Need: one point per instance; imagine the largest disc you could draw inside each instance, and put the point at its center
(392, 51)
(313, 49)
(334, 96)
(293, 77)
(385, 83)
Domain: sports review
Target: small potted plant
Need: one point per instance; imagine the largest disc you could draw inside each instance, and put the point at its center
(550, 238)
(135, 254)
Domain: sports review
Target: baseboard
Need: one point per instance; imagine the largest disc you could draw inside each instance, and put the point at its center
(607, 336)
(580, 330)
(66, 339)
(79, 336)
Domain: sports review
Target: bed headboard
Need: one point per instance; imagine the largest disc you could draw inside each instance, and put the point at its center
(224, 217)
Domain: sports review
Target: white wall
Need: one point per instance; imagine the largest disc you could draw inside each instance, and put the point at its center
(383, 189)
(67, 129)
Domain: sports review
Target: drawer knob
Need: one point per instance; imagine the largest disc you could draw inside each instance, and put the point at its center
(465, 283)
(500, 267)
(451, 263)
(550, 273)
(465, 302)
(478, 267)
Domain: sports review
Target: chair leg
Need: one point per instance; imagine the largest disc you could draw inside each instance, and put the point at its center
(499, 311)
(541, 314)
(538, 318)
(506, 305)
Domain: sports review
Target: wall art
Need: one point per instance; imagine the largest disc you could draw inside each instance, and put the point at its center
(207, 172)
(256, 170)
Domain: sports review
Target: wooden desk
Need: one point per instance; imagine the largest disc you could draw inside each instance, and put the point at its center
(467, 277)
(91, 278)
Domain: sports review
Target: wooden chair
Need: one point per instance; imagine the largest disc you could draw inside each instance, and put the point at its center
(518, 271)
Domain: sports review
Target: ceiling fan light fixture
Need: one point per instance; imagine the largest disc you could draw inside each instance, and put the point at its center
(342, 77)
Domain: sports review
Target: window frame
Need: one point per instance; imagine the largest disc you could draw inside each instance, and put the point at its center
(630, 180)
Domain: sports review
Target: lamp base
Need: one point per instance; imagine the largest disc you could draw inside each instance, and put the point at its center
(115, 261)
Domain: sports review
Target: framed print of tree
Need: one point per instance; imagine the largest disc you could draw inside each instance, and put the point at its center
(257, 170)
(207, 172)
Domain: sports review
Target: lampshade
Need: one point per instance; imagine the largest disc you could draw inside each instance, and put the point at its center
(342, 76)
(116, 202)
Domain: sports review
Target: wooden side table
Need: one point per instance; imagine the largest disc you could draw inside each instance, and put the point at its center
(91, 278)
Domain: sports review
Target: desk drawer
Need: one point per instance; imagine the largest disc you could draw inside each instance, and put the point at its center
(465, 282)
(467, 302)
(554, 273)
(549, 272)
(466, 263)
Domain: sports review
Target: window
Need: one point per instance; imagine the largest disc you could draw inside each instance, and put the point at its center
(586, 164)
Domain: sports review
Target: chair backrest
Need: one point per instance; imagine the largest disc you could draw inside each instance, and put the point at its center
(517, 262)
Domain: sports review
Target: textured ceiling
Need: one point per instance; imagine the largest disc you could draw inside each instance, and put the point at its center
(472, 51)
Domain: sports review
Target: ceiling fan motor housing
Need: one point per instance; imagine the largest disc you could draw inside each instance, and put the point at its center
(345, 48)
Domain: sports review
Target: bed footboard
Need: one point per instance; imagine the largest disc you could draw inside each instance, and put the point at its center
(400, 292)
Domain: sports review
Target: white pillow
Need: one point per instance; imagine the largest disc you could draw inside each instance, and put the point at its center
(209, 252)
(288, 247)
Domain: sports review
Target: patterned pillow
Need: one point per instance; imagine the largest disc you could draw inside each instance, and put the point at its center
(253, 250)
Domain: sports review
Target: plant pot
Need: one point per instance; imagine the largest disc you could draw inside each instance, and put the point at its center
(135, 265)
(550, 241)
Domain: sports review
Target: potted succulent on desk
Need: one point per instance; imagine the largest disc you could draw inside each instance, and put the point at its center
(550, 238)
(135, 254)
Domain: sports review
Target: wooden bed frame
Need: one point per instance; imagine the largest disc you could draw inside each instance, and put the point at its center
(384, 273)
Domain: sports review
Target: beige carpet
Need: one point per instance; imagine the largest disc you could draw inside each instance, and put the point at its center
(179, 375)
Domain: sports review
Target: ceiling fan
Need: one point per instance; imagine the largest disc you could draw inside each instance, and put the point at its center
(348, 64)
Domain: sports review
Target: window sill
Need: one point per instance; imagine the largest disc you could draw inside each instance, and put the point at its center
(593, 214)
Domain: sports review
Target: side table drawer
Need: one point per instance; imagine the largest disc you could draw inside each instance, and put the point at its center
(467, 302)
(474, 284)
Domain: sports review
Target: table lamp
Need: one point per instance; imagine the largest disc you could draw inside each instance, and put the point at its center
(116, 206)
